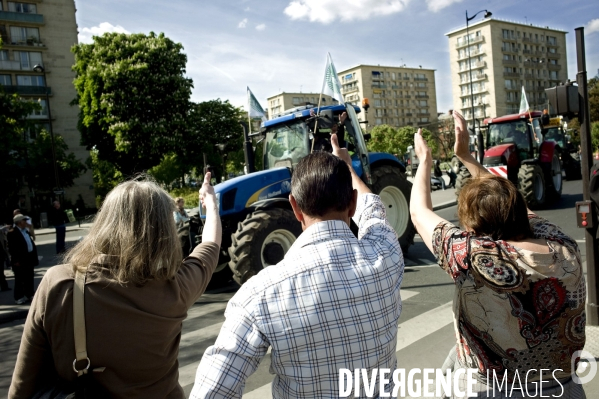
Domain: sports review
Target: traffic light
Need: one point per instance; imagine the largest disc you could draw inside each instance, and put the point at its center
(563, 99)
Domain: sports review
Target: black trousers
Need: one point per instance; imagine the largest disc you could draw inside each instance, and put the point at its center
(23, 280)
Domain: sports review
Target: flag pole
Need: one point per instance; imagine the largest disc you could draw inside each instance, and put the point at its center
(324, 80)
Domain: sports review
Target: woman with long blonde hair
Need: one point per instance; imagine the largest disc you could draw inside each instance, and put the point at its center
(137, 294)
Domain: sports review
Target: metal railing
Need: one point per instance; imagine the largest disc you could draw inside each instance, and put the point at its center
(28, 90)
(21, 17)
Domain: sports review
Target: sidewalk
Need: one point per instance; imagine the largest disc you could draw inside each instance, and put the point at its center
(45, 241)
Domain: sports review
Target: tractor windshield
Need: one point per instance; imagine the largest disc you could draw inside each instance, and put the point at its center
(556, 134)
(285, 145)
(516, 132)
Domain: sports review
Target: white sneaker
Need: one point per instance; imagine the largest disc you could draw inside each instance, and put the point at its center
(21, 301)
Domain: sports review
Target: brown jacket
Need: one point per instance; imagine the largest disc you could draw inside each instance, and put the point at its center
(132, 331)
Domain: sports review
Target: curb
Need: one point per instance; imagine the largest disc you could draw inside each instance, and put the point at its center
(13, 314)
(444, 205)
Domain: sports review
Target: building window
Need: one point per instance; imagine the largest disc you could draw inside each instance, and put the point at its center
(24, 80)
(28, 59)
(41, 113)
(22, 8)
(20, 35)
(5, 80)
(551, 40)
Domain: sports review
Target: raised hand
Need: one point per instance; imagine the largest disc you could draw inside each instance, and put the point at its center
(423, 152)
(207, 195)
(462, 139)
(338, 151)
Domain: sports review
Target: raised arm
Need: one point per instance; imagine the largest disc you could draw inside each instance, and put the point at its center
(342, 153)
(421, 205)
(212, 228)
(462, 147)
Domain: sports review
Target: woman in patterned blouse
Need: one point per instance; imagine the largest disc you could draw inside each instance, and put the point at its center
(520, 290)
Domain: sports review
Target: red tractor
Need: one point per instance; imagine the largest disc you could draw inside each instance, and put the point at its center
(515, 149)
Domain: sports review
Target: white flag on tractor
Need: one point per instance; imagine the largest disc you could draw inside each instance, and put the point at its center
(255, 109)
(331, 85)
(523, 102)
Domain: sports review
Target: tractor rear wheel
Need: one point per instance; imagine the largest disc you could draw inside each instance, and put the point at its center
(394, 189)
(553, 180)
(463, 176)
(531, 184)
(262, 240)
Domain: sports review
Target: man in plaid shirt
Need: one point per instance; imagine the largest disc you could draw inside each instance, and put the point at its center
(333, 302)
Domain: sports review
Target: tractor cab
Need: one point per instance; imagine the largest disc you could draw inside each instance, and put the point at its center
(524, 134)
(291, 137)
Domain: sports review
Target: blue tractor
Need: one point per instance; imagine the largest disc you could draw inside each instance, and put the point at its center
(258, 223)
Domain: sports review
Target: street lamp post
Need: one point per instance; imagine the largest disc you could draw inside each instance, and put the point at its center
(468, 19)
(38, 68)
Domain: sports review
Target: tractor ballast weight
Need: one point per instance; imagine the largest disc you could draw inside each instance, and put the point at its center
(258, 224)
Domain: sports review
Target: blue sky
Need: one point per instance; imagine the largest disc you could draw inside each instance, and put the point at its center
(273, 46)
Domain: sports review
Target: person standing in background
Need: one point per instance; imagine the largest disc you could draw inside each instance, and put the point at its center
(23, 258)
(182, 223)
(58, 219)
(29, 222)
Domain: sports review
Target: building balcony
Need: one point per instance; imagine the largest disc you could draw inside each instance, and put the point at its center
(350, 90)
(421, 96)
(422, 79)
(423, 123)
(475, 77)
(473, 53)
(533, 64)
(554, 67)
(529, 40)
(378, 86)
(28, 90)
(478, 91)
(509, 62)
(408, 114)
(512, 101)
(10, 65)
(511, 74)
(510, 38)
(529, 76)
(475, 65)
(407, 96)
(552, 55)
(464, 43)
(10, 16)
(22, 41)
(509, 50)
(395, 87)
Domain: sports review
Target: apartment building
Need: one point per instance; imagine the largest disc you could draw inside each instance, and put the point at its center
(278, 103)
(40, 33)
(502, 56)
(398, 96)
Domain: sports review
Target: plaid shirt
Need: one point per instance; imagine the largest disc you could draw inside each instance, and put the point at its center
(332, 303)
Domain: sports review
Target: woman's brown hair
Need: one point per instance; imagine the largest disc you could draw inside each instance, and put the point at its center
(492, 206)
(135, 232)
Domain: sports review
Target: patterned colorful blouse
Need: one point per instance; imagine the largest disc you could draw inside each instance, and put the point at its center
(515, 309)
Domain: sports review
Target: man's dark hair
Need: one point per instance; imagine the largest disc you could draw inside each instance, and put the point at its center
(321, 183)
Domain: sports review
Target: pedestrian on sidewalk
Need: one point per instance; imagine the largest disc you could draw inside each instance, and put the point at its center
(332, 302)
(520, 290)
(4, 257)
(23, 258)
(29, 223)
(137, 294)
(438, 173)
(58, 218)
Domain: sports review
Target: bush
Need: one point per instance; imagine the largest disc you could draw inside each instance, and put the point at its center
(189, 194)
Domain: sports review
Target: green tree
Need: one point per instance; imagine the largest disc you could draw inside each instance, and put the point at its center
(210, 123)
(40, 169)
(105, 175)
(168, 170)
(14, 127)
(133, 98)
(595, 136)
(396, 141)
(593, 91)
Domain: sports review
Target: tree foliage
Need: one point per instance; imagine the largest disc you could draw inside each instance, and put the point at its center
(210, 123)
(593, 92)
(40, 168)
(385, 138)
(168, 170)
(14, 126)
(133, 98)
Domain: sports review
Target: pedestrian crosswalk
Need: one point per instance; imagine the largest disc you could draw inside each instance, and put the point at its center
(195, 341)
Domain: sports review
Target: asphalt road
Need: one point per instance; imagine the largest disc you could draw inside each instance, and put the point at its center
(426, 327)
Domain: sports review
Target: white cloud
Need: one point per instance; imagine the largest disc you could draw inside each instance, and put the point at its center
(260, 27)
(592, 26)
(327, 11)
(437, 5)
(86, 34)
(243, 23)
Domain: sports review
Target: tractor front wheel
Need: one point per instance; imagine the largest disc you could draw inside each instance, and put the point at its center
(394, 189)
(463, 176)
(262, 240)
(531, 184)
